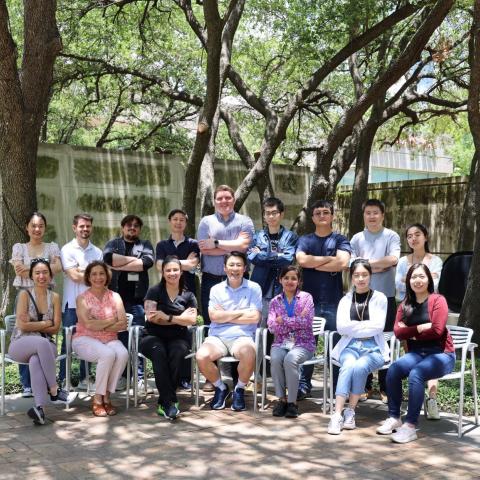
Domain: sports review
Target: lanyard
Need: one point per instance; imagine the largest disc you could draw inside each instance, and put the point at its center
(290, 307)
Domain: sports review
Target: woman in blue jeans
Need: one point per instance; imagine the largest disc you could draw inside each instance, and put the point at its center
(422, 322)
(362, 349)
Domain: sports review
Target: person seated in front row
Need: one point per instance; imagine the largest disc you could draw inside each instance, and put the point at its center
(290, 319)
(101, 315)
(421, 321)
(362, 349)
(38, 317)
(170, 309)
(234, 308)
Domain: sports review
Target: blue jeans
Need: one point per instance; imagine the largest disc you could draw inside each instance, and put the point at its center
(329, 312)
(358, 359)
(69, 319)
(419, 366)
(136, 309)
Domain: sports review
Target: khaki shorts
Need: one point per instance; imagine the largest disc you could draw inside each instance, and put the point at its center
(227, 346)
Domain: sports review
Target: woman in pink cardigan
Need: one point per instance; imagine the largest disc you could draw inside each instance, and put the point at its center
(290, 319)
(422, 322)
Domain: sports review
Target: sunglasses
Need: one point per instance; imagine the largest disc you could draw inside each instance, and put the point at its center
(34, 261)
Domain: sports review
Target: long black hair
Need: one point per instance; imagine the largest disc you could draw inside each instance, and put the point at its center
(410, 296)
(173, 259)
(424, 230)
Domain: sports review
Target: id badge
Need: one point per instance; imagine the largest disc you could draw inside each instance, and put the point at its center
(133, 277)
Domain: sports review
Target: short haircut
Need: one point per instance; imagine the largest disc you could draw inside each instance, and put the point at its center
(223, 188)
(82, 216)
(91, 266)
(373, 202)
(35, 261)
(321, 204)
(235, 253)
(130, 219)
(175, 211)
(360, 262)
(274, 202)
(36, 214)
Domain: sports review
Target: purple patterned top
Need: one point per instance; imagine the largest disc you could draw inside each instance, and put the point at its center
(300, 324)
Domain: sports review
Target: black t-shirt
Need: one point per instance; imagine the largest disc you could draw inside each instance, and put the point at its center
(126, 288)
(184, 300)
(359, 309)
(274, 239)
(420, 316)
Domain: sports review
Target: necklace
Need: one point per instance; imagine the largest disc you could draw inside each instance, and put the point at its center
(360, 316)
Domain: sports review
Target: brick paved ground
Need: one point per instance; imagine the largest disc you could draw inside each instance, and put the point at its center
(205, 444)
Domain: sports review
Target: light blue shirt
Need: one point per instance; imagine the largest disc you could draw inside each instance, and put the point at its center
(247, 296)
(214, 226)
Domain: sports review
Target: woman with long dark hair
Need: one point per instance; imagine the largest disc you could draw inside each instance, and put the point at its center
(421, 321)
(169, 309)
(362, 349)
(290, 319)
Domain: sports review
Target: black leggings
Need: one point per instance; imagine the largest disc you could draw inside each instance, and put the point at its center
(167, 357)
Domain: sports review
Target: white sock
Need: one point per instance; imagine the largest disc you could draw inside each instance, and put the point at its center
(219, 384)
(240, 384)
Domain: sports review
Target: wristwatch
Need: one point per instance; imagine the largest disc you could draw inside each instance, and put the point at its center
(170, 318)
(216, 242)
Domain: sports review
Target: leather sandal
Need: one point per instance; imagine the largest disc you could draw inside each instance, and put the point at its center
(98, 409)
(110, 409)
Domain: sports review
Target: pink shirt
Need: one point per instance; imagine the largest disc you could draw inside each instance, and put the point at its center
(100, 309)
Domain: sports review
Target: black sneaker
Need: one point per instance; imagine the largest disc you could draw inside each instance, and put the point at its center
(280, 409)
(62, 396)
(303, 393)
(37, 415)
(238, 402)
(292, 410)
(168, 410)
(219, 399)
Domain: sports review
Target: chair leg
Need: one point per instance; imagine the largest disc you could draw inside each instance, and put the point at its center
(197, 384)
(460, 407)
(2, 381)
(474, 386)
(324, 407)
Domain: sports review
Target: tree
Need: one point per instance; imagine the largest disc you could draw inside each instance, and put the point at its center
(470, 313)
(24, 96)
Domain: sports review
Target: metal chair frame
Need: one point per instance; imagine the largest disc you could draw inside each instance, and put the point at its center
(318, 329)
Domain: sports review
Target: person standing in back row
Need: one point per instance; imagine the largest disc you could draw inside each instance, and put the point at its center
(381, 247)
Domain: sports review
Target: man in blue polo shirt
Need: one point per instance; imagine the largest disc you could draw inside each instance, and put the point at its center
(323, 255)
(235, 307)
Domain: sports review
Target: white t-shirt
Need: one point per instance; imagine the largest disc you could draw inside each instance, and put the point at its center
(373, 246)
(73, 255)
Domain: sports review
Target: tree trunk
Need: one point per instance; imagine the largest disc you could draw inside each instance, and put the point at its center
(470, 313)
(24, 99)
(466, 236)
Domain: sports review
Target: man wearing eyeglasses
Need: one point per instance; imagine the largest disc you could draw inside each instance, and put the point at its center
(273, 248)
(76, 255)
(130, 258)
(323, 254)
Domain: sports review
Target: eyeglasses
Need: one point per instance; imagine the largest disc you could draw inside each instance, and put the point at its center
(273, 213)
(36, 260)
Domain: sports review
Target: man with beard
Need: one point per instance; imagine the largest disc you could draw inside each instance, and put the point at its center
(130, 258)
(76, 255)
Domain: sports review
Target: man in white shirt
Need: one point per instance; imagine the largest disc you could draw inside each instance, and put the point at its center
(76, 255)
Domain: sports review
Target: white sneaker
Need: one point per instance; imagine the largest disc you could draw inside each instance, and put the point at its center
(389, 426)
(121, 384)
(404, 434)
(335, 424)
(141, 388)
(432, 409)
(349, 419)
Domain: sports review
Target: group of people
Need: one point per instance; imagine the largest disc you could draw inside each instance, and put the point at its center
(293, 279)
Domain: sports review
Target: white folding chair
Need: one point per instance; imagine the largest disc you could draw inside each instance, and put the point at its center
(137, 330)
(462, 337)
(318, 329)
(71, 353)
(389, 337)
(228, 359)
(5, 358)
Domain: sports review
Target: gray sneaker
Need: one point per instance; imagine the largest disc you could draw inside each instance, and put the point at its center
(349, 419)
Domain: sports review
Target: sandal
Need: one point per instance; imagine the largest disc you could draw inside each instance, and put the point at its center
(110, 409)
(98, 409)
